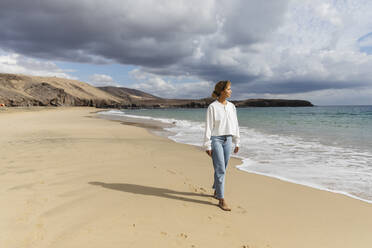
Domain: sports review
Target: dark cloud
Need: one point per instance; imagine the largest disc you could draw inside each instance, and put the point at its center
(247, 22)
(146, 33)
(210, 40)
(122, 31)
(206, 72)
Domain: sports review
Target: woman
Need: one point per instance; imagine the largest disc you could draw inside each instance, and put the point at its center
(221, 130)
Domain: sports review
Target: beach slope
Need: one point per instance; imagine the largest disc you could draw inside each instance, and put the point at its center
(69, 179)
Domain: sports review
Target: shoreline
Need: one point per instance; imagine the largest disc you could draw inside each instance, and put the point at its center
(82, 181)
(307, 185)
(157, 128)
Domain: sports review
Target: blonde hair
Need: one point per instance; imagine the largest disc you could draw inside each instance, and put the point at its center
(219, 87)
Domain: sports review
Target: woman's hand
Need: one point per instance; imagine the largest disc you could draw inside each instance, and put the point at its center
(209, 152)
(236, 149)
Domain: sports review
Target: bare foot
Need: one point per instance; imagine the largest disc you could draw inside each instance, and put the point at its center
(222, 204)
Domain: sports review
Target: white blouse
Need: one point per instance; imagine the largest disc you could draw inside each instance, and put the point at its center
(221, 120)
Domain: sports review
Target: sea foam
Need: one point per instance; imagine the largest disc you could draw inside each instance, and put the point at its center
(307, 162)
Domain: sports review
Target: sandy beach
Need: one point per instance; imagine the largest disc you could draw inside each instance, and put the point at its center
(70, 179)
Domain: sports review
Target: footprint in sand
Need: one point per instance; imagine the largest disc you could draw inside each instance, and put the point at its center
(241, 210)
(193, 188)
(183, 235)
(172, 172)
(202, 190)
(197, 189)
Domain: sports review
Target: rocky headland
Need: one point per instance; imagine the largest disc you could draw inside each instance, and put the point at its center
(21, 90)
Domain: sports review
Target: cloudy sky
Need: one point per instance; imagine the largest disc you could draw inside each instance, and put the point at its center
(317, 50)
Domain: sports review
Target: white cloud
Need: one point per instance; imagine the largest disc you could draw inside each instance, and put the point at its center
(328, 13)
(18, 64)
(102, 80)
(314, 47)
(170, 88)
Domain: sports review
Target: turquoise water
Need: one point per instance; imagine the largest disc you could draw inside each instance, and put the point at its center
(326, 147)
(347, 126)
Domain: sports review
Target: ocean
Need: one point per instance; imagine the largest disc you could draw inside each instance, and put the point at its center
(324, 147)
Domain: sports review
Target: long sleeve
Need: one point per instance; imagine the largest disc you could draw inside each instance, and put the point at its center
(209, 123)
(236, 136)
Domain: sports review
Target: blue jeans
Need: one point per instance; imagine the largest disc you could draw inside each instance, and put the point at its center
(221, 150)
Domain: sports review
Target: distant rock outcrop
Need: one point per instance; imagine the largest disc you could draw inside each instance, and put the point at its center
(21, 90)
(272, 103)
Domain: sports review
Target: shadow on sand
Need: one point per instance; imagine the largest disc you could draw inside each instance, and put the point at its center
(147, 190)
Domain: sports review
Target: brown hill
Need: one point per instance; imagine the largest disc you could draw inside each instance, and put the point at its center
(140, 99)
(127, 94)
(21, 90)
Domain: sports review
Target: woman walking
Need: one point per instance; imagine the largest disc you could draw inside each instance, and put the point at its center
(221, 130)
